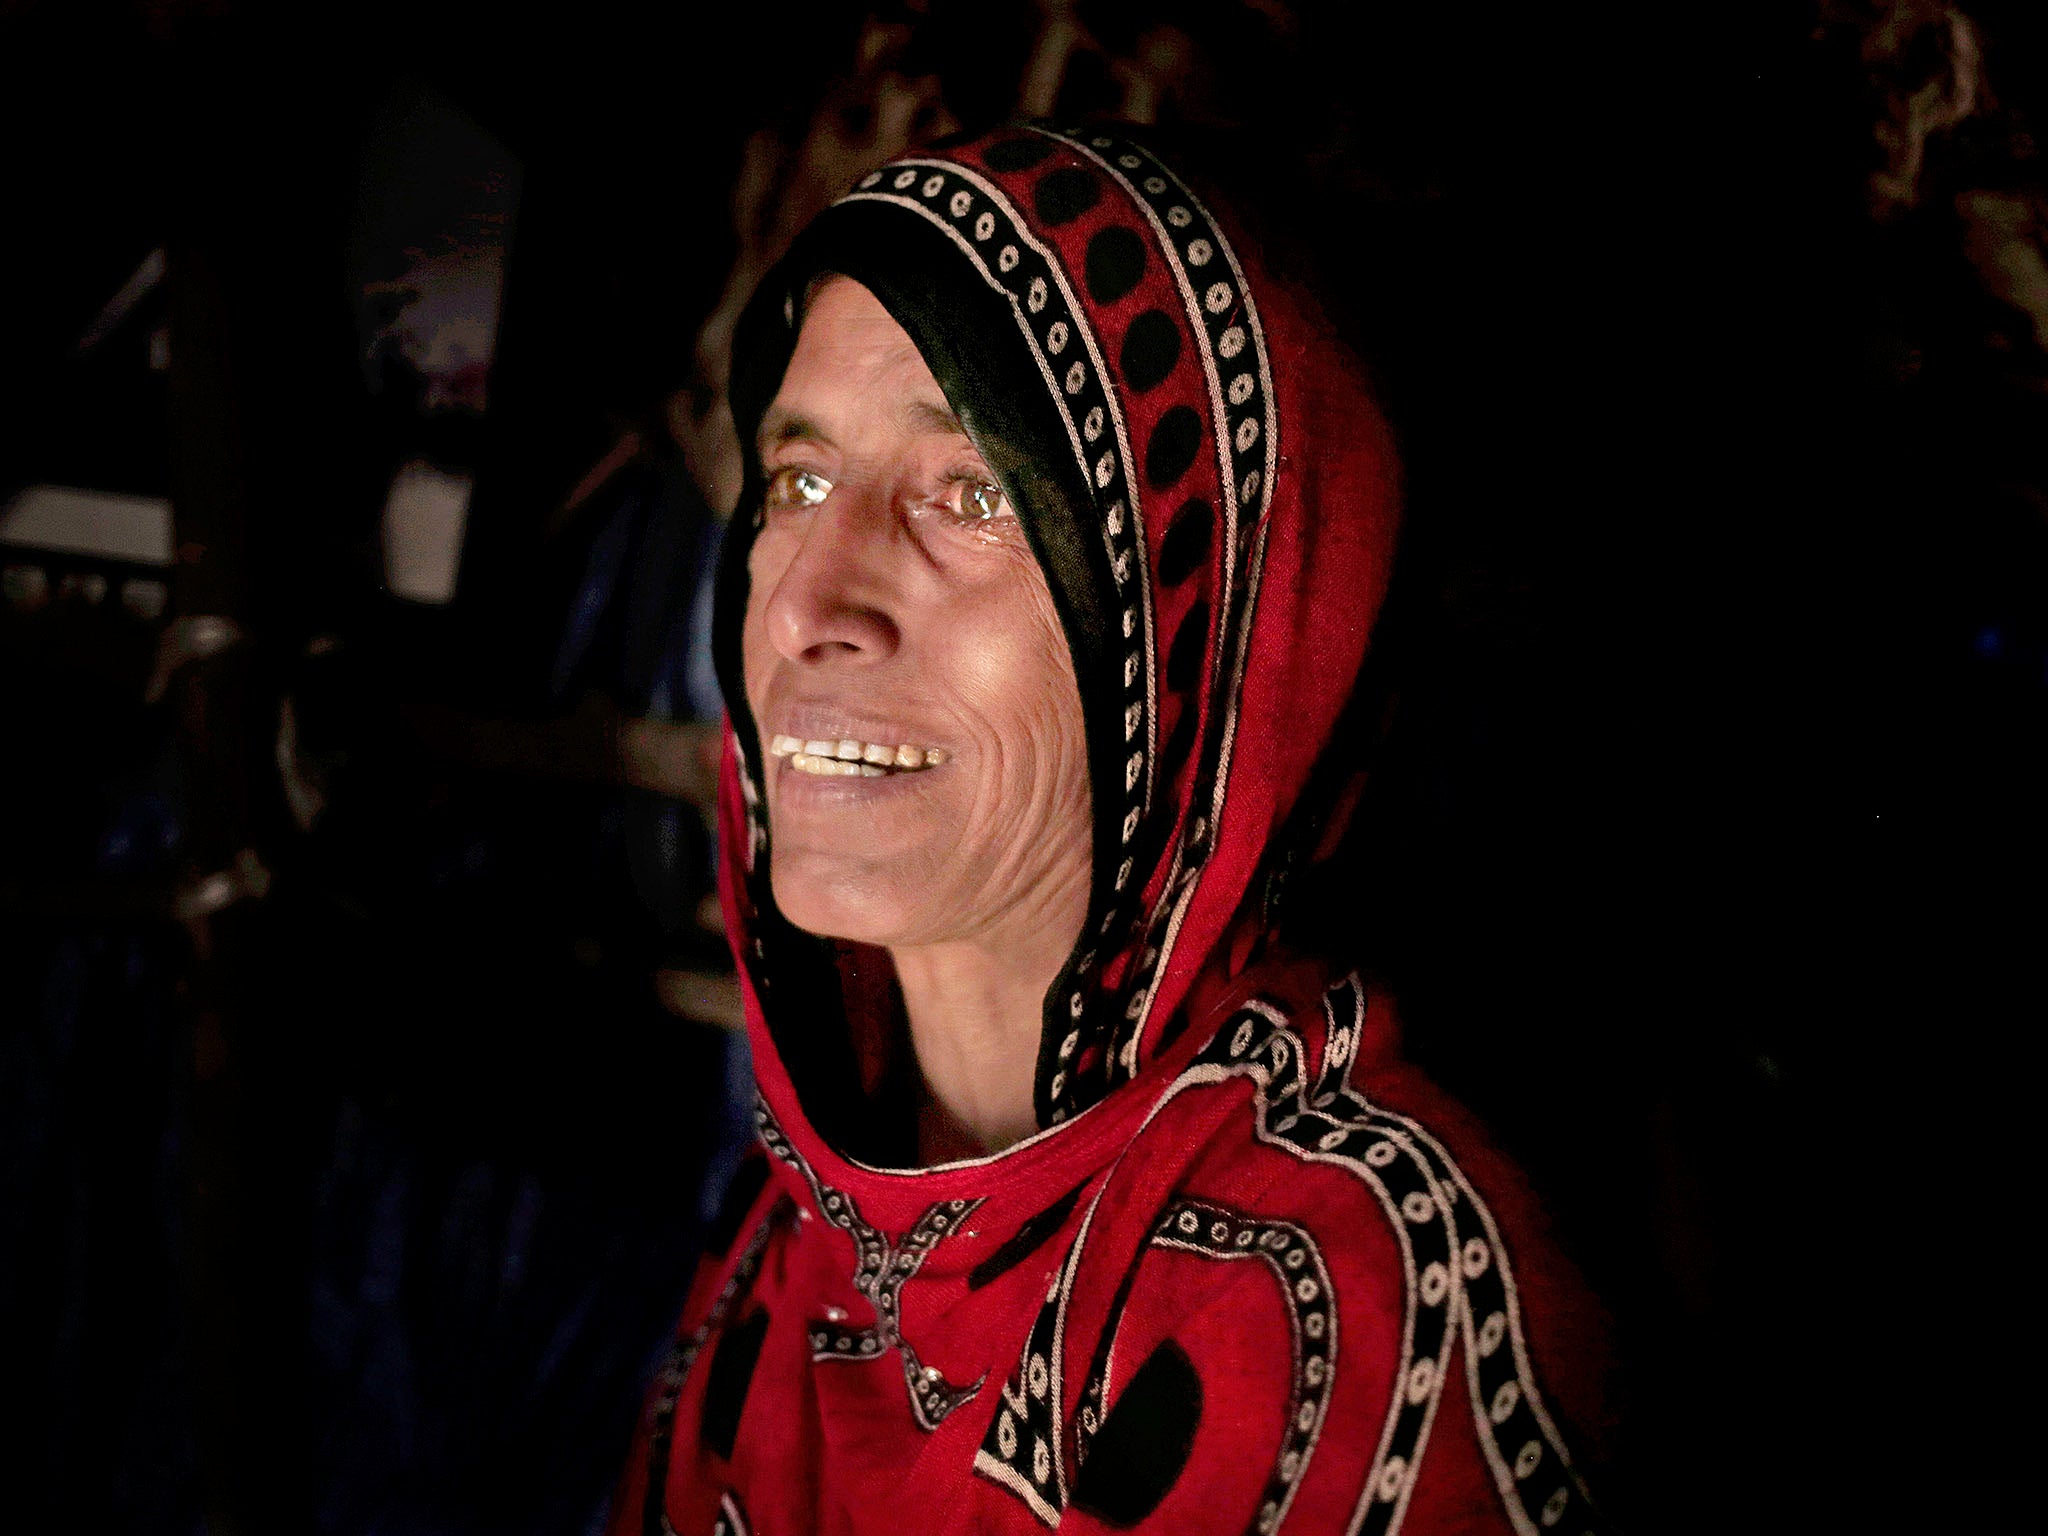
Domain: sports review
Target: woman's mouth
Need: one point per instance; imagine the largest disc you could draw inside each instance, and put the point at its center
(848, 758)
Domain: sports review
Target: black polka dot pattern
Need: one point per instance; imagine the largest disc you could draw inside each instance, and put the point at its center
(1240, 428)
(1020, 153)
(1188, 538)
(1142, 1446)
(1190, 644)
(1065, 194)
(1150, 349)
(1173, 446)
(1115, 263)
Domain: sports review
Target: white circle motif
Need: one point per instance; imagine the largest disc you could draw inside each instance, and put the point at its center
(1219, 1233)
(904, 179)
(1006, 261)
(1217, 298)
(1041, 1461)
(960, 203)
(1381, 1153)
(1249, 491)
(1504, 1402)
(1034, 296)
(1476, 1258)
(1104, 468)
(1006, 1434)
(1417, 1207)
(933, 185)
(1077, 375)
(1179, 217)
(1056, 337)
(1036, 1376)
(1231, 342)
(1307, 1290)
(1199, 252)
(1332, 1140)
(1436, 1283)
(1312, 1325)
(871, 178)
(1092, 427)
(1491, 1332)
(1155, 184)
(1527, 1459)
(1554, 1506)
(1129, 162)
(1421, 1379)
(985, 225)
(1247, 433)
(1240, 389)
(1392, 1475)
(1189, 1221)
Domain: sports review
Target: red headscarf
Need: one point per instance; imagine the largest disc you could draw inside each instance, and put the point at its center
(1252, 1273)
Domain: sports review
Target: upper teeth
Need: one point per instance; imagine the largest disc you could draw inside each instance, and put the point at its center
(869, 759)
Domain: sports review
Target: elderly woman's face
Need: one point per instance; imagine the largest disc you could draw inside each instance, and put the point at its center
(916, 703)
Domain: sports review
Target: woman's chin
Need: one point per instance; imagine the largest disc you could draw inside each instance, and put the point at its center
(860, 912)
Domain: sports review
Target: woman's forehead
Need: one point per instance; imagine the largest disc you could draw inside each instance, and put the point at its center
(854, 361)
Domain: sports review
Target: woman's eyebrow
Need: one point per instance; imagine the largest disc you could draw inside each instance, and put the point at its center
(930, 416)
(780, 427)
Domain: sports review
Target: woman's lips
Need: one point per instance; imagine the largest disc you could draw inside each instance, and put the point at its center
(847, 757)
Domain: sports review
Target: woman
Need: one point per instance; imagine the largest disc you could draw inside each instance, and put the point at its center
(1088, 1202)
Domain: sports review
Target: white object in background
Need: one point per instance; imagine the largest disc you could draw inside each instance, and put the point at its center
(104, 523)
(424, 517)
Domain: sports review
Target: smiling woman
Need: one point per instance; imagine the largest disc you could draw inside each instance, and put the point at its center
(1088, 1198)
(896, 612)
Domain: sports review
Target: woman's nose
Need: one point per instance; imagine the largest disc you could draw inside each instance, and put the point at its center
(837, 596)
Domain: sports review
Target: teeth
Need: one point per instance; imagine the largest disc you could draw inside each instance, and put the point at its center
(850, 758)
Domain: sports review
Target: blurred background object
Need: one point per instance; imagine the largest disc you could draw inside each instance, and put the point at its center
(367, 1065)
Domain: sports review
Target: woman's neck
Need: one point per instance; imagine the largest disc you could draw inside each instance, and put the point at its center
(976, 1012)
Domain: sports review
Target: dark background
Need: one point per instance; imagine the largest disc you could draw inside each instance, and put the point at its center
(1703, 843)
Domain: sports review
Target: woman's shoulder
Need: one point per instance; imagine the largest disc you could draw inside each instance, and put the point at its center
(1337, 1256)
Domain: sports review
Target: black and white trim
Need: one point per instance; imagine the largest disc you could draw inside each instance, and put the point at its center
(881, 1269)
(1231, 342)
(1216, 1232)
(1456, 1278)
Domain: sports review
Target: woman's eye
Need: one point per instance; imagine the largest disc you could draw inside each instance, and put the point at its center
(982, 501)
(794, 487)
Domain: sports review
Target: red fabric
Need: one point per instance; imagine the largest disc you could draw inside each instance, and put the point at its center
(1261, 1276)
